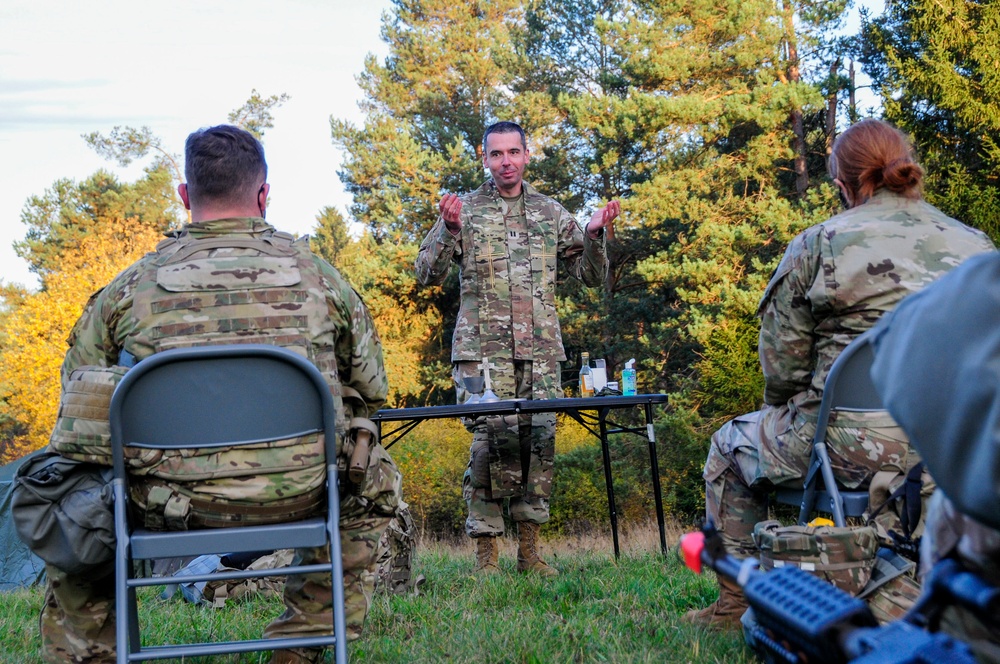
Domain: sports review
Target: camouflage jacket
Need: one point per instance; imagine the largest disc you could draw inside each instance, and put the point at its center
(508, 273)
(838, 277)
(256, 286)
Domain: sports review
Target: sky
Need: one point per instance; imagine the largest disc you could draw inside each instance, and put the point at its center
(69, 68)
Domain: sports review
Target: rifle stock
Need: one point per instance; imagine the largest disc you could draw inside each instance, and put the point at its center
(801, 619)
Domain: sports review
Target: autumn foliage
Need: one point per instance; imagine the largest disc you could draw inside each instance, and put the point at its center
(35, 332)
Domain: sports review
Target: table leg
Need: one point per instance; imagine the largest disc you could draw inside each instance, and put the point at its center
(606, 454)
(655, 470)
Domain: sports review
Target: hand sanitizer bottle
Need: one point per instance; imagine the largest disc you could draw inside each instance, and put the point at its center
(628, 379)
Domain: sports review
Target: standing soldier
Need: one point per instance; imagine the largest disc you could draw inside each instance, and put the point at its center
(229, 277)
(506, 239)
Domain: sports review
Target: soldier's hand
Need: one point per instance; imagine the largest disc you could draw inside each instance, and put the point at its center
(451, 212)
(604, 218)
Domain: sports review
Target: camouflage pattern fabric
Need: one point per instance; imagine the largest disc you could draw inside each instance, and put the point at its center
(936, 369)
(394, 573)
(508, 252)
(842, 556)
(886, 514)
(82, 431)
(217, 593)
(949, 533)
(834, 282)
(754, 452)
(78, 617)
(891, 601)
(515, 261)
(256, 286)
(518, 461)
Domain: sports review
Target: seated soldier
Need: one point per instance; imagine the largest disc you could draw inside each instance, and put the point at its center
(834, 282)
(264, 287)
(937, 367)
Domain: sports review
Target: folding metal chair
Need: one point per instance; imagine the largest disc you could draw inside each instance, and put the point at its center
(848, 387)
(221, 396)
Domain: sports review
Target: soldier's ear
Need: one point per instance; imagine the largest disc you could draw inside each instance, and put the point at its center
(182, 191)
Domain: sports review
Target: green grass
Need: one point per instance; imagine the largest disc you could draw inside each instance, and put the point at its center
(597, 610)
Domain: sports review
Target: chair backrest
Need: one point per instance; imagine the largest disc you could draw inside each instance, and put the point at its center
(214, 396)
(848, 385)
(210, 396)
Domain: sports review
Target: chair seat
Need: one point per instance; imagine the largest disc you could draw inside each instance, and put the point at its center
(855, 502)
(148, 544)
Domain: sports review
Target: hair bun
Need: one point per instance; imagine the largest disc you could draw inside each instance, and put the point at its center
(902, 175)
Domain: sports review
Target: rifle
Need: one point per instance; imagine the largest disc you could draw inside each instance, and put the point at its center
(801, 619)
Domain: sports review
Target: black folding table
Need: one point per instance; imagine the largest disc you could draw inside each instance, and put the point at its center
(591, 412)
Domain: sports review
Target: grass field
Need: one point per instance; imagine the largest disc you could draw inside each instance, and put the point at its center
(598, 610)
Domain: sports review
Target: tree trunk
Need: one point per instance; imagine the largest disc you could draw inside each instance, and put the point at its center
(794, 76)
(831, 106)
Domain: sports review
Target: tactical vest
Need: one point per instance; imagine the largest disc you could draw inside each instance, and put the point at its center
(234, 289)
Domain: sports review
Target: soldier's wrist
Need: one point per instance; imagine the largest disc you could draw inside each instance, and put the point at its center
(453, 228)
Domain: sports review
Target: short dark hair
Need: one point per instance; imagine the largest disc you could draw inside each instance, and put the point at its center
(504, 128)
(224, 164)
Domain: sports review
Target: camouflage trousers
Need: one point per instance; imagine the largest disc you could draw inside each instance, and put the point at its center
(949, 533)
(511, 457)
(753, 453)
(77, 622)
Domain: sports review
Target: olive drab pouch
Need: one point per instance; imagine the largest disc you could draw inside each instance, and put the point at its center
(843, 556)
(63, 510)
(82, 431)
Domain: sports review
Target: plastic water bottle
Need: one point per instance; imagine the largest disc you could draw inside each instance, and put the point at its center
(628, 379)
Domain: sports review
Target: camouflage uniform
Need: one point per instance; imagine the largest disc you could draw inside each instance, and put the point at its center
(507, 252)
(236, 281)
(951, 533)
(834, 282)
(936, 368)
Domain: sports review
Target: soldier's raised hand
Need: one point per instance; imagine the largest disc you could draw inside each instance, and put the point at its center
(604, 218)
(451, 212)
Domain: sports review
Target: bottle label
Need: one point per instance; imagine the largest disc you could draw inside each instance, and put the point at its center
(628, 382)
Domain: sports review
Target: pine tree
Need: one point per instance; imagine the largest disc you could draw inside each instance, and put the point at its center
(935, 65)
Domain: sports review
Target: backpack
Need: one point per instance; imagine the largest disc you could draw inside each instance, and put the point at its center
(63, 510)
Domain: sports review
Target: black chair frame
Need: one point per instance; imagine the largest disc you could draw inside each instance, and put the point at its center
(848, 387)
(221, 396)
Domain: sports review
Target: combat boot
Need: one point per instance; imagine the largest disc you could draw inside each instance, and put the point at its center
(297, 656)
(487, 555)
(528, 559)
(724, 613)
